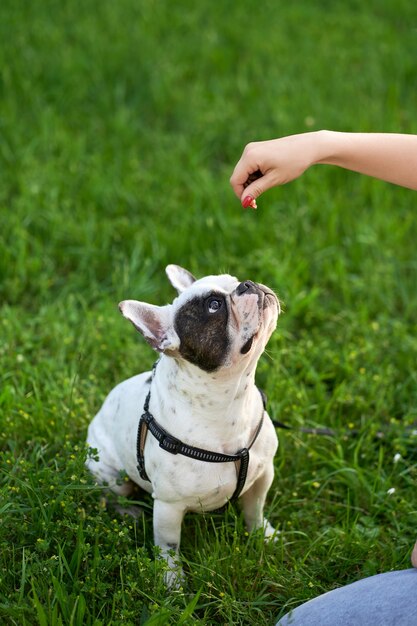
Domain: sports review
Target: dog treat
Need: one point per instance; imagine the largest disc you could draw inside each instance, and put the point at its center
(249, 201)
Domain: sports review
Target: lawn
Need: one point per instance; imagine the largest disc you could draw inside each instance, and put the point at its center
(120, 124)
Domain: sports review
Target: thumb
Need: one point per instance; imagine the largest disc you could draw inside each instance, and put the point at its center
(255, 189)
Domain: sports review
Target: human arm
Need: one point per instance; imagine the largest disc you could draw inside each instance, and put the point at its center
(387, 156)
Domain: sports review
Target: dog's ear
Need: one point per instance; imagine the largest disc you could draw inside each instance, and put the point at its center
(154, 322)
(179, 278)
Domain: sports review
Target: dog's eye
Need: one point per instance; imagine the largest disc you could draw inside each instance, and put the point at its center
(213, 305)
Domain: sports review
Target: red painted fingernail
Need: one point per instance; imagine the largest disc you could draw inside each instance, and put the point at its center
(247, 201)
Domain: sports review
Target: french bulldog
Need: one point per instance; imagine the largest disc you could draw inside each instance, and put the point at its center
(199, 406)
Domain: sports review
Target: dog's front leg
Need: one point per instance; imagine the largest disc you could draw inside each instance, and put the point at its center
(253, 502)
(167, 520)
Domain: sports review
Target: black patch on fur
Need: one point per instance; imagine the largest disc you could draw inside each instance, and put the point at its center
(203, 335)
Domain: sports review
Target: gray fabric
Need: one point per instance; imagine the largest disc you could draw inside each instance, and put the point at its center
(383, 600)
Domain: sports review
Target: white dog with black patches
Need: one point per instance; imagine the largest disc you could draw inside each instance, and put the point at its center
(201, 408)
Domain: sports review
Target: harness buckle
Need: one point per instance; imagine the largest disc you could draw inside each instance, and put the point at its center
(170, 444)
(147, 417)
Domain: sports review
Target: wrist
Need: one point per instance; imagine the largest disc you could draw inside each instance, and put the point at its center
(326, 147)
(334, 147)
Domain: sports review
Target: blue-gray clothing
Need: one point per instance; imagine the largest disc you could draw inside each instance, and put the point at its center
(383, 600)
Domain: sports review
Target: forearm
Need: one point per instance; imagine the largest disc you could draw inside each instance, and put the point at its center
(389, 157)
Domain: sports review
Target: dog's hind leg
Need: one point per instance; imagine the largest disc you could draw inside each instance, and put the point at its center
(253, 502)
(114, 482)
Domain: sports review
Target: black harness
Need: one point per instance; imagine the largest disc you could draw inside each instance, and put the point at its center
(173, 445)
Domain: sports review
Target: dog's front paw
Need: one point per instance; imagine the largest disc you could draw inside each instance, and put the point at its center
(270, 533)
(174, 577)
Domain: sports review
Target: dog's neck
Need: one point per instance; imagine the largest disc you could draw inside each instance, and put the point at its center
(220, 402)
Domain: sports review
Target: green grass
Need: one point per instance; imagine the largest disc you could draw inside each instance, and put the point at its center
(120, 124)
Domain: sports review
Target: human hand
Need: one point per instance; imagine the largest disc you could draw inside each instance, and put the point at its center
(266, 164)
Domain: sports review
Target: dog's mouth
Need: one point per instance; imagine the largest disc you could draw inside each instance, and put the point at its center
(270, 299)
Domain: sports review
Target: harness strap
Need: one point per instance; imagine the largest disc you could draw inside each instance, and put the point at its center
(173, 445)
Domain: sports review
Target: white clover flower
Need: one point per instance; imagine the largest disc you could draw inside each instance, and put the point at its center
(397, 457)
(391, 491)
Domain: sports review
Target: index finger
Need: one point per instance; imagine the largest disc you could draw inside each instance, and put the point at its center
(242, 177)
(238, 178)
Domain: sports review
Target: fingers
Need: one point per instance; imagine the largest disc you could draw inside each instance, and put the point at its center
(249, 200)
(245, 167)
(251, 176)
(238, 179)
(256, 188)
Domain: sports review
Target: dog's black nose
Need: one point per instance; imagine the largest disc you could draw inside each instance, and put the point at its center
(246, 287)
